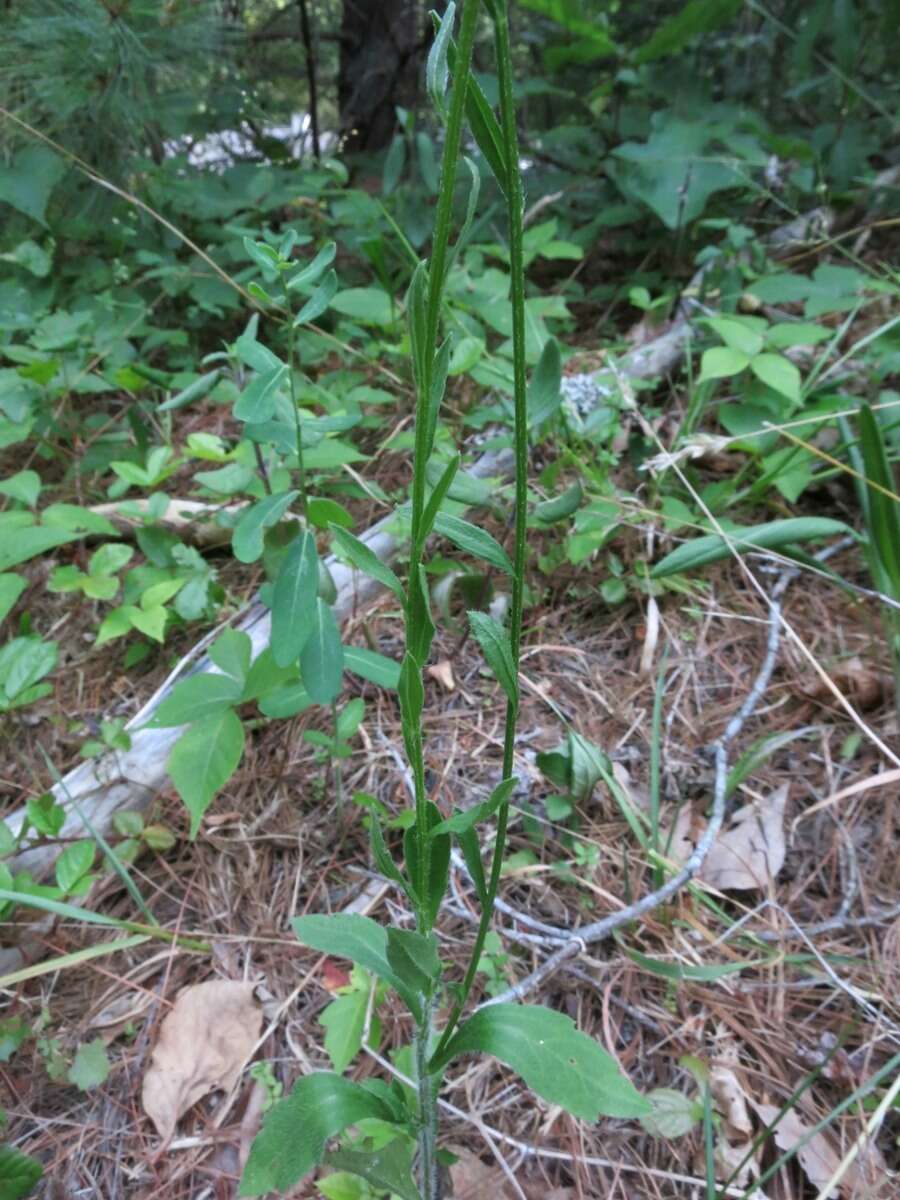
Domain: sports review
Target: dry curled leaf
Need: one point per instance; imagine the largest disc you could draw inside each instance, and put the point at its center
(442, 672)
(751, 851)
(204, 1044)
(473, 1179)
(863, 685)
(730, 1101)
(817, 1157)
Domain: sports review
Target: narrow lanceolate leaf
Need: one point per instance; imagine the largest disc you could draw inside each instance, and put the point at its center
(296, 1130)
(483, 124)
(474, 541)
(470, 846)
(561, 1064)
(311, 272)
(462, 821)
(420, 623)
(770, 536)
(437, 497)
(203, 760)
(437, 70)
(416, 317)
(883, 509)
(559, 507)
(412, 700)
(258, 399)
(294, 599)
(544, 397)
(318, 301)
(439, 862)
(383, 858)
(194, 391)
(247, 539)
(369, 664)
(494, 641)
(439, 368)
(360, 939)
(322, 657)
(366, 560)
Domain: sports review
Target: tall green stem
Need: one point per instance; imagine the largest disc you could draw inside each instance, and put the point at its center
(513, 190)
(437, 270)
(301, 471)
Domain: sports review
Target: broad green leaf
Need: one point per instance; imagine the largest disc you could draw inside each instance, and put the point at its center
(470, 817)
(19, 544)
(19, 1173)
(369, 305)
(203, 760)
(778, 373)
(196, 698)
(322, 512)
(360, 939)
(344, 1020)
(770, 536)
(23, 662)
(366, 560)
(26, 182)
(473, 540)
(369, 664)
(91, 1065)
(721, 363)
(11, 588)
(494, 641)
(797, 333)
(745, 335)
(322, 656)
(318, 301)
(24, 486)
(110, 558)
(286, 701)
(558, 1062)
(294, 599)
(388, 1169)
(439, 862)
(544, 397)
(265, 676)
(296, 1130)
(231, 653)
(259, 398)
(74, 862)
(414, 956)
(247, 539)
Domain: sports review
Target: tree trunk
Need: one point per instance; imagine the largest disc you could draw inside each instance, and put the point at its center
(382, 47)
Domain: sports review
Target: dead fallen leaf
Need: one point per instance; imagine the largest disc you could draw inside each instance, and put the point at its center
(751, 851)
(443, 672)
(333, 976)
(473, 1179)
(679, 840)
(817, 1157)
(731, 1103)
(203, 1045)
(862, 684)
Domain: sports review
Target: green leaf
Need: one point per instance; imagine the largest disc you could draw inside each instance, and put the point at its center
(247, 539)
(721, 363)
(344, 1020)
(414, 956)
(384, 860)
(369, 664)
(560, 507)
(412, 699)
(544, 398)
(467, 819)
(24, 486)
(313, 270)
(231, 653)
(470, 846)
(91, 1065)
(360, 939)
(26, 183)
(436, 499)
(743, 335)
(369, 305)
(416, 319)
(770, 536)
(494, 641)
(11, 588)
(194, 391)
(482, 122)
(197, 698)
(366, 560)
(296, 1130)
(558, 1062)
(394, 162)
(437, 70)
(322, 512)
(286, 701)
(318, 301)
(797, 333)
(23, 662)
(19, 544)
(691, 19)
(472, 540)
(420, 623)
(294, 599)
(388, 1169)
(673, 1114)
(258, 400)
(19, 1174)
(74, 862)
(322, 656)
(778, 373)
(883, 515)
(439, 862)
(203, 760)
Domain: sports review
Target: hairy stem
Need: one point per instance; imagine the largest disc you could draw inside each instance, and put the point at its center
(426, 1087)
(517, 272)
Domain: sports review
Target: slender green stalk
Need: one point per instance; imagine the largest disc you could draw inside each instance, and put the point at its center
(517, 272)
(437, 269)
(426, 1090)
(301, 471)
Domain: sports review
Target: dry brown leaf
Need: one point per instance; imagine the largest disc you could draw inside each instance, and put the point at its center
(751, 850)
(443, 672)
(683, 837)
(473, 1179)
(204, 1044)
(817, 1157)
(862, 684)
(731, 1103)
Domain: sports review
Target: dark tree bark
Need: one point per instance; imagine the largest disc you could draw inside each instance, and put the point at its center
(306, 35)
(382, 49)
